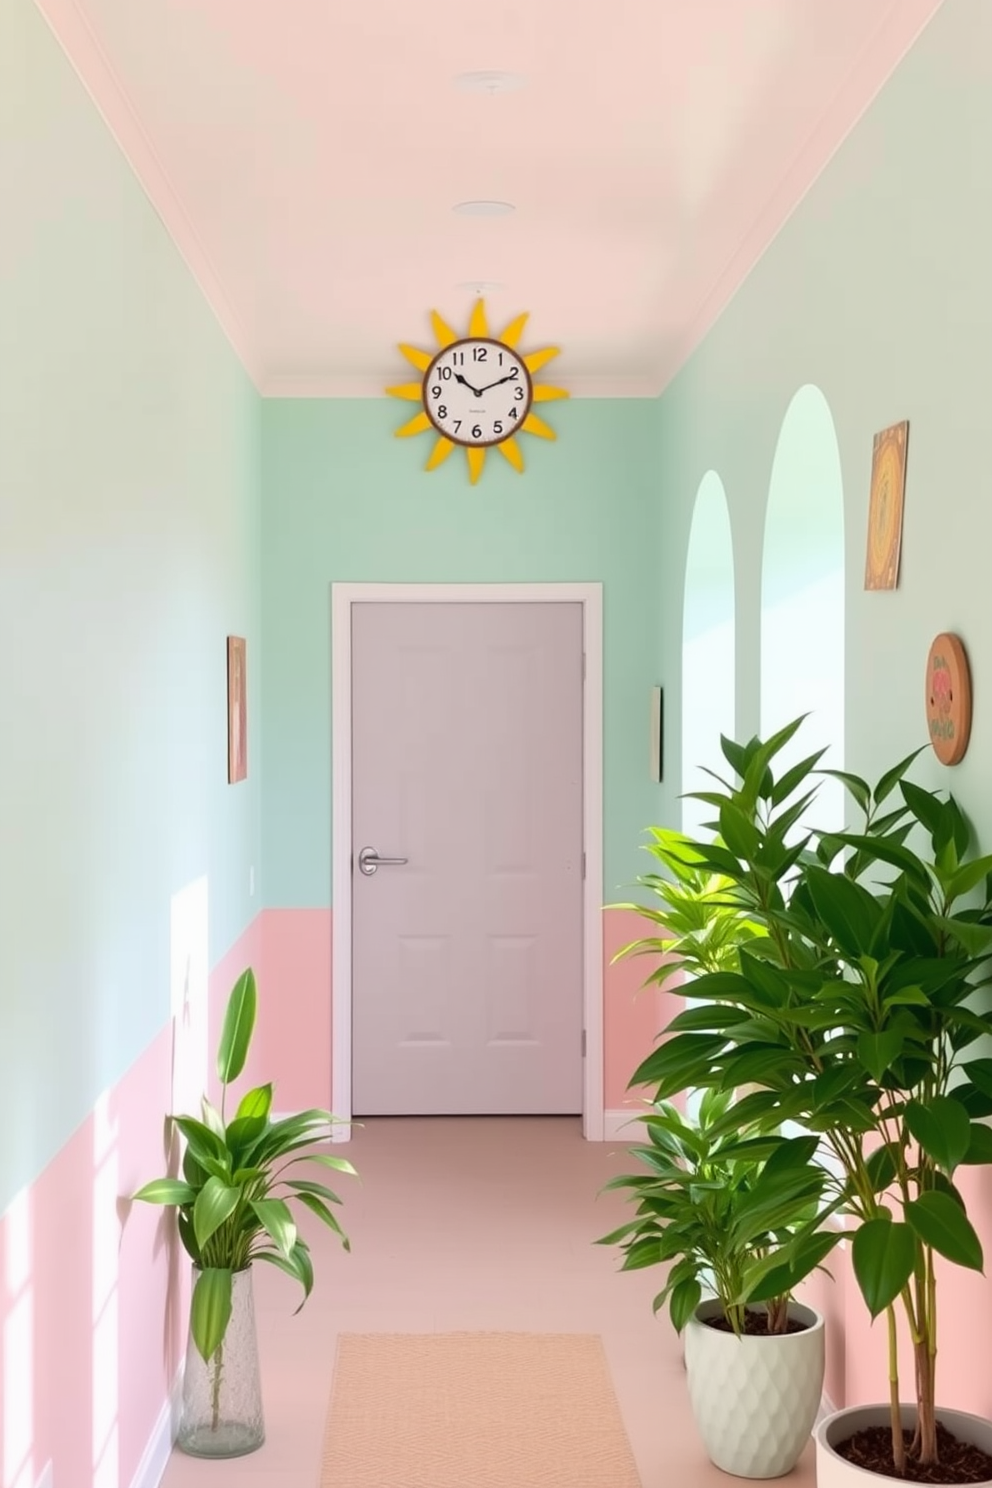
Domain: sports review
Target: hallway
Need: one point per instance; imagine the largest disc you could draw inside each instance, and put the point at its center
(463, 1225)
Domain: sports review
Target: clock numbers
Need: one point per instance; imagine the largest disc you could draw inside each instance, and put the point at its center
(476, 391)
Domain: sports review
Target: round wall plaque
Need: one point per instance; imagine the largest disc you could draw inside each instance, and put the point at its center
(948, 698)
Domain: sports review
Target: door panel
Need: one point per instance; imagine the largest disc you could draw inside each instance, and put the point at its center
(467, 761)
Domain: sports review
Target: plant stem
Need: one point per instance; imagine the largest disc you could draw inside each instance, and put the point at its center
(215, 1390)
(898, 1444)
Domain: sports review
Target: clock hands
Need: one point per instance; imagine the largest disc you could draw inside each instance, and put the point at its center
(474, 391)
(489, 386)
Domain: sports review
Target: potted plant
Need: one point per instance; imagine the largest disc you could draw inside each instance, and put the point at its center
(233, 1208)
(854, 1017)
(733, 1214)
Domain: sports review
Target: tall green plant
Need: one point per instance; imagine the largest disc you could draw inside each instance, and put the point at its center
(233, 1200)
(701, 928)
(855, 1016)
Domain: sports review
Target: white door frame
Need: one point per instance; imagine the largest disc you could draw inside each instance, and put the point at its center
(590, 596)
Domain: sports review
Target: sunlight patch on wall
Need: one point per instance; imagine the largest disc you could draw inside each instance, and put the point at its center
(708, 646)
(802, 593)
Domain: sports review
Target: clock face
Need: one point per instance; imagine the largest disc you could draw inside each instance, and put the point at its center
(477, 392)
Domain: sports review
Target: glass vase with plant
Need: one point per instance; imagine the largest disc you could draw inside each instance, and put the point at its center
(240, 1178)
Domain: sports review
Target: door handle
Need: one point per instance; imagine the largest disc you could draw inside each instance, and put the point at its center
(369, 860)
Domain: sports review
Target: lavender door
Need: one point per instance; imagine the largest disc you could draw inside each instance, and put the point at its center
(467, 765)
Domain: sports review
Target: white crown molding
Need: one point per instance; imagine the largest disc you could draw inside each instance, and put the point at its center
(86, 56)
(872, 68)
(369, 387)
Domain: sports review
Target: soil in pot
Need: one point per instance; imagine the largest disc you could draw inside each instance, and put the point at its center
(755, 1324)
(960, 1461)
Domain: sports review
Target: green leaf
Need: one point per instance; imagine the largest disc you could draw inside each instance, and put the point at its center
(849, 912)
(942, 1128)
(979, 1072)
(734, 754)
(979, 1146)
(239, 1024)
(881, 1168)
(256, 1103)
(215, 1202)
(682, 1303)
(858, 788)
(204, 1144)
(297, 1264)
(892, 777)
(307, 1185)
(166, 1191)
(277, 1220)
(738, 831)
(210, 1311)
(212, 1117)
(944, 1226)
(884, 1254)
(968, 877)
(877, 1051)
(929, 811)
(794, 1265)
(795, 777)
(311, 1202)
(244, 1131)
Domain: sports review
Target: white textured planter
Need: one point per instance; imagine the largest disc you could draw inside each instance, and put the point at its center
(755, 1399)
(836, 1472)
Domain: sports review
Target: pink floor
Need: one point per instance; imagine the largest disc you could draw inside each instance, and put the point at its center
(469, 1224)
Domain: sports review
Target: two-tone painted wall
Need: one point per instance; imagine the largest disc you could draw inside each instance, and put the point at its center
(877, 292)
(141, 483)
(345, 500)
(129, 549)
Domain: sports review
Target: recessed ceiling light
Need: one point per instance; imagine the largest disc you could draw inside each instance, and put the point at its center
(481, 286)
(489, 81)
(483, 208)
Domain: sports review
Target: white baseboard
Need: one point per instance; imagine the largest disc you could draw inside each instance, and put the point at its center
(155, 1458)
(621, 1126)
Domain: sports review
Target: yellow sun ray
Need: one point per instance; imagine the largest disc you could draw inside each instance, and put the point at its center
(510, 450)
(417, 425)
(478, 325)
(445, 335)
(419, 359)
(417, 392)
(476, 460)
(511, 335)
(440, 453)
(539, 359)
(534, 425)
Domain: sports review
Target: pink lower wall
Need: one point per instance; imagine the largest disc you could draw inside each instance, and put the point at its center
(94, 1294)
(296, 962)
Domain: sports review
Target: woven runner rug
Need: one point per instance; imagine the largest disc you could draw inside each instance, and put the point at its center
(474, 1410)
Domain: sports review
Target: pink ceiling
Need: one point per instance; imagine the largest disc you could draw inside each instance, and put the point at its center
(305, 156)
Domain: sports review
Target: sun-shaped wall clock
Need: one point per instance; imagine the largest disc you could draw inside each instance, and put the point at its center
(477, 391)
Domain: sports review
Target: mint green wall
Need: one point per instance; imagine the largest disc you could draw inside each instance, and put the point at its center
(129, 514)
(344, 500)
(877, 291)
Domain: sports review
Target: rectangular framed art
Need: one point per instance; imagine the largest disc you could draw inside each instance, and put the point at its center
(885, 507)
(237, 710)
